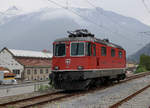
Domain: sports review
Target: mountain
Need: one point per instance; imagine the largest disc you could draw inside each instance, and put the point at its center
(37, 30)
(145, 50)
(9, 13)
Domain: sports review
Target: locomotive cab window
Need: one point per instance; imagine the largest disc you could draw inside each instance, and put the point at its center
(103, 51)
(77, 49)
(113, 52)
(60, 50)
(120, 54)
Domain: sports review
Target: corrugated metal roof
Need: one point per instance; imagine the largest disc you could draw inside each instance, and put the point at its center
(28, 53)
(34, 62)
(3, 69)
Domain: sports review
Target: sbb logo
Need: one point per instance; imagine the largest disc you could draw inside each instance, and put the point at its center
(68, 61)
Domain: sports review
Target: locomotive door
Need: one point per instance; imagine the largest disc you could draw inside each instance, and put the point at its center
(94, 60)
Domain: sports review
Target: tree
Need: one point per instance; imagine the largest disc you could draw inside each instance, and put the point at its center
(145, 61)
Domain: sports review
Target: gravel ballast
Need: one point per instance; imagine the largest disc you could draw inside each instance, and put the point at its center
(140, 101)
(107, 97)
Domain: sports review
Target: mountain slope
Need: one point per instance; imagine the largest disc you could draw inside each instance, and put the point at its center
(37, 30)
(145, 50)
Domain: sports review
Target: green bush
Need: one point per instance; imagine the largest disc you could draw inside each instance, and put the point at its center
(145, 61)
(140, 69)
(43, 88)
(10, 107)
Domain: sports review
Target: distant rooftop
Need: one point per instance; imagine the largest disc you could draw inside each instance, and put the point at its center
(28, 53)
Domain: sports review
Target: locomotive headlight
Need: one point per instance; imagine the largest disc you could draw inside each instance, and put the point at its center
(80, 67)
(56, 68)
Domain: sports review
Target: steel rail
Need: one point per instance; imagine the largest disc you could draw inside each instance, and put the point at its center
(48, 101)
(67, 95)
(119, 103)
(26, 99)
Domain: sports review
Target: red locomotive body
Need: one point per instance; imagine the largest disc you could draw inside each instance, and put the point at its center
(82, 60)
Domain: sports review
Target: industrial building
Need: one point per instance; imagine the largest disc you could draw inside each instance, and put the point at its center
(27, 65)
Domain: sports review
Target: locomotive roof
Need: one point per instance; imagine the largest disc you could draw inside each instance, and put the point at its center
(92, 39)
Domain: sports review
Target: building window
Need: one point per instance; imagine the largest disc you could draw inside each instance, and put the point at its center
(28, 71)
(103, 51)
(46, 70)
(41, 71)
(120, 54)
(35, 71)
(16, 71)
(113, 52)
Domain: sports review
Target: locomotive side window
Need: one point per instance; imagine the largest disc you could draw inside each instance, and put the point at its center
(94, 50)
(120, 54)
(112, 52)
(60, 49)
(103, 51)
(89, 49)
(77, 49)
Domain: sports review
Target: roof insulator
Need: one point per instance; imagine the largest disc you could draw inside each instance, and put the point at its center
(106, 40)
(80, 33)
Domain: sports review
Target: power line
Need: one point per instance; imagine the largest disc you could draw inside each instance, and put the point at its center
(101, 13)
(85, 18)
(146, 7)
(109, 19)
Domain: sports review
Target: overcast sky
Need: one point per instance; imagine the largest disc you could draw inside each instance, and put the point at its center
(131, 8)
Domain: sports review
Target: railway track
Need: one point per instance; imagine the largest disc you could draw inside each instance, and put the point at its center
(34, 101)
(119, 103)
(48, 98)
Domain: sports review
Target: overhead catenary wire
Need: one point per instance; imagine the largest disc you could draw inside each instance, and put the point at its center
(148, 10)
(91, 21)
(146, 7)
(85, 18)
(110, 20)
(139, 43)
(115, 22)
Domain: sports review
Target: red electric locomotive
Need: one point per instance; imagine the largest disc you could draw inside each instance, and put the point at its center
(81, 60)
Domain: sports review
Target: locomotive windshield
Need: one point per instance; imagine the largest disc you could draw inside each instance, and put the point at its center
(60, 50)
(77, 49)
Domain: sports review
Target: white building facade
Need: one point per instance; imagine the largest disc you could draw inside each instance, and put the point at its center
(7, 60)
(18, 61)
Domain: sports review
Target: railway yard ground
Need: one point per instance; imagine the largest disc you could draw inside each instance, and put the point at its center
(18, 89)
(106, 97)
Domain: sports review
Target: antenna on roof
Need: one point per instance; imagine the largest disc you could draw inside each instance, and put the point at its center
(80, 33)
